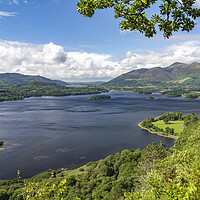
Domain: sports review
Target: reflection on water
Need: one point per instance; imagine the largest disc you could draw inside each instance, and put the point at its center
(57, 132)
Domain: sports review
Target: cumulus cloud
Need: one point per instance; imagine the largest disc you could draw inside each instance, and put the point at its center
(52, 61)
(187, 52)
(7, 14)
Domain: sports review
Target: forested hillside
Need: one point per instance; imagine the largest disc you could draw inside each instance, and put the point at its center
(150, 173)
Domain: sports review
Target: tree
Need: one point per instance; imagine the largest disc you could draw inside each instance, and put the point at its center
(171, 15)
(151, 119)
(166, 120)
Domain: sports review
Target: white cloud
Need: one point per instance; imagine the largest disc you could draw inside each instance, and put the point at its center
(187, 52)
(54, 62)
(197, 3)
(16, 2)
(124, 32)
(7, 14)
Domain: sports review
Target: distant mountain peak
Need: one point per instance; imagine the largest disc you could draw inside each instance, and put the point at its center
(195, 64)
(176, 64)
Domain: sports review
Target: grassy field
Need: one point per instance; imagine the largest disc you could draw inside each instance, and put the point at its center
(44, 176)
(177, 125)
(75, 172)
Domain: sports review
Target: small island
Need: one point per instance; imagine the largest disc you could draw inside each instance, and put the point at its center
(169, 124)
(99, 97)
(150, 97)
(1, 143)
(173, 94)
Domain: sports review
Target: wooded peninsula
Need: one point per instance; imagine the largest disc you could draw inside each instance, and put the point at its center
(169, 124)
(38, 89)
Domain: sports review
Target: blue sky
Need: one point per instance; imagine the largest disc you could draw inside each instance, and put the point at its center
(50, 38)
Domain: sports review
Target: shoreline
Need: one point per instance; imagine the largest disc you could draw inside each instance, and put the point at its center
(1, 101)
(77, 166)
(157, 133)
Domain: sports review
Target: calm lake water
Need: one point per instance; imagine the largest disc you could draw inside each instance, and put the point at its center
(56, 132)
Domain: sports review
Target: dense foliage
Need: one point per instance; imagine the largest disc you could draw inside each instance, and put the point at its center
(178, 175)
(152, 173)
(188, 93)
(170, 16)
(192, 96)
(174, 93)
(37, 89)
(108, 179)
(100, 97)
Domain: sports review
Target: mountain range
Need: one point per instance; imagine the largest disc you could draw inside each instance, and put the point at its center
(177, 74)
(11, 79)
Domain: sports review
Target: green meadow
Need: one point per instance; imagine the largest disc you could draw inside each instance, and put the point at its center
(177, 125)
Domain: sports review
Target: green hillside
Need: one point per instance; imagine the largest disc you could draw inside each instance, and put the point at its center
(10, 79)
(149, 174)
(177, 74)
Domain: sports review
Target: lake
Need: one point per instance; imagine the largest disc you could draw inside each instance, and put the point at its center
(55, 132)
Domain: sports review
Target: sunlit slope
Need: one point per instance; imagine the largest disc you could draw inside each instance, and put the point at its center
(10, 79)
(176, 74)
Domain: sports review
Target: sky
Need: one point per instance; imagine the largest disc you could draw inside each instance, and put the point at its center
(50, 38)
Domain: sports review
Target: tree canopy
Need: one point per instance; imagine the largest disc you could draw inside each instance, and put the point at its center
(171, 15)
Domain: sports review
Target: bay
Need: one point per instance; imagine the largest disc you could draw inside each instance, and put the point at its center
(56, 132)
